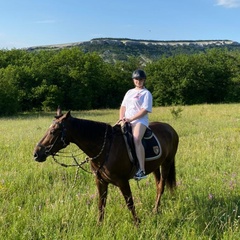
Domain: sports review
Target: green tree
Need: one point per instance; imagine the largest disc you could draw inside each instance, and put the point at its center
(198, 78)
(8, 92)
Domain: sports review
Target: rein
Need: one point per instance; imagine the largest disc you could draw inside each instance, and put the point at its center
(87, 159)
(103, 146)
(77, 164)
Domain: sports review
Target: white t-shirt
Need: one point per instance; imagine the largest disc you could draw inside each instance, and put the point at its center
(135, 100)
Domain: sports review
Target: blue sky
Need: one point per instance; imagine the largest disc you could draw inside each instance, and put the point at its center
(26, 23)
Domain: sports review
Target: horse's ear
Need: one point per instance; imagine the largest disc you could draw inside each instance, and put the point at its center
(59, 112)
(68, 114)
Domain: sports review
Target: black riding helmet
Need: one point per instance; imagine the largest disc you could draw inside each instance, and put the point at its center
(139, 74)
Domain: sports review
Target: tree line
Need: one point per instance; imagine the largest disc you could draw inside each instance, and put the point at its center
(42, 80)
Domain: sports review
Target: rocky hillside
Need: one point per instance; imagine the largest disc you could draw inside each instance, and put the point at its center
(113, 49)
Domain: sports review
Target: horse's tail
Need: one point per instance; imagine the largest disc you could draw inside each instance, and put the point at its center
(171, 179)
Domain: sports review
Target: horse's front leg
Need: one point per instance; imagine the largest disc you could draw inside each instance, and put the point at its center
(102, 193)
(127, 193)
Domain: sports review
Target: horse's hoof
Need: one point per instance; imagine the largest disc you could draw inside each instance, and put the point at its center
(137, 221)
(155, 211)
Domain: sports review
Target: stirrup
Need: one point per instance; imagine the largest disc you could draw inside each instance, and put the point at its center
(139, 175)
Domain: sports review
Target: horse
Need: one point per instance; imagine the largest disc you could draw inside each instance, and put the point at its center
(109, 159)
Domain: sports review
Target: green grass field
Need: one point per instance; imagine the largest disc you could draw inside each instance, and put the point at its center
(41, 201)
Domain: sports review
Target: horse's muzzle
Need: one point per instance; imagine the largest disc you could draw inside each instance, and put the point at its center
(39, 158)
(40, 154)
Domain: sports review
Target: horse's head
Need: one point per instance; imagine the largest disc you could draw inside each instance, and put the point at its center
(55, 138)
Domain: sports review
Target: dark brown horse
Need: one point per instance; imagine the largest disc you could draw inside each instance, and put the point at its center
(110, 162)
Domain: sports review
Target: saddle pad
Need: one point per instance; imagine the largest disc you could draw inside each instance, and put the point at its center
(151, 144)
(152, 147)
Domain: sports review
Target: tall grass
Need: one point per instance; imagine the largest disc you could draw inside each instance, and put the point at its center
(41, 201)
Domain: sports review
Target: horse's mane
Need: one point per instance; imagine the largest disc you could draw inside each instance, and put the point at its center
(90, 127)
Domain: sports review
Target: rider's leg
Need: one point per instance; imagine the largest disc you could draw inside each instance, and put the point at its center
(138, 130)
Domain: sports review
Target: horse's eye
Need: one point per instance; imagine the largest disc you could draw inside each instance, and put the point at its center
(54, 130)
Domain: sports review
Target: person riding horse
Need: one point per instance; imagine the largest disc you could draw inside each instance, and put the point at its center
(136, 105)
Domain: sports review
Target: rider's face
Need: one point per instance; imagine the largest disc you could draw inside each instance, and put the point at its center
(139, 82)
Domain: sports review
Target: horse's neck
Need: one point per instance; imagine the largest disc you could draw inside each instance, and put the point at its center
(88, 135)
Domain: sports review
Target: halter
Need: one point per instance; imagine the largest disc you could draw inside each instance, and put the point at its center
(63, 138)
(87, 159)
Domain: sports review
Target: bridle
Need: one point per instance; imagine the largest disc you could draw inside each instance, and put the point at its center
(87, 159)
(62, 135)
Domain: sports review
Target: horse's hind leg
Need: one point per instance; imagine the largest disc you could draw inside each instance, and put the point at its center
(102, 191)
(166, 177)
(126, 192)
(160, 184)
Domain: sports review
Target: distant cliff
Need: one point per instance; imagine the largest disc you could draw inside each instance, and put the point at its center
(113, 49)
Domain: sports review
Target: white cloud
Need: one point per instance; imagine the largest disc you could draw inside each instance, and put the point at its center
(229, 3)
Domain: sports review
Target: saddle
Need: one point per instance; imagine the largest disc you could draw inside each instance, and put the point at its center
(150, 143)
